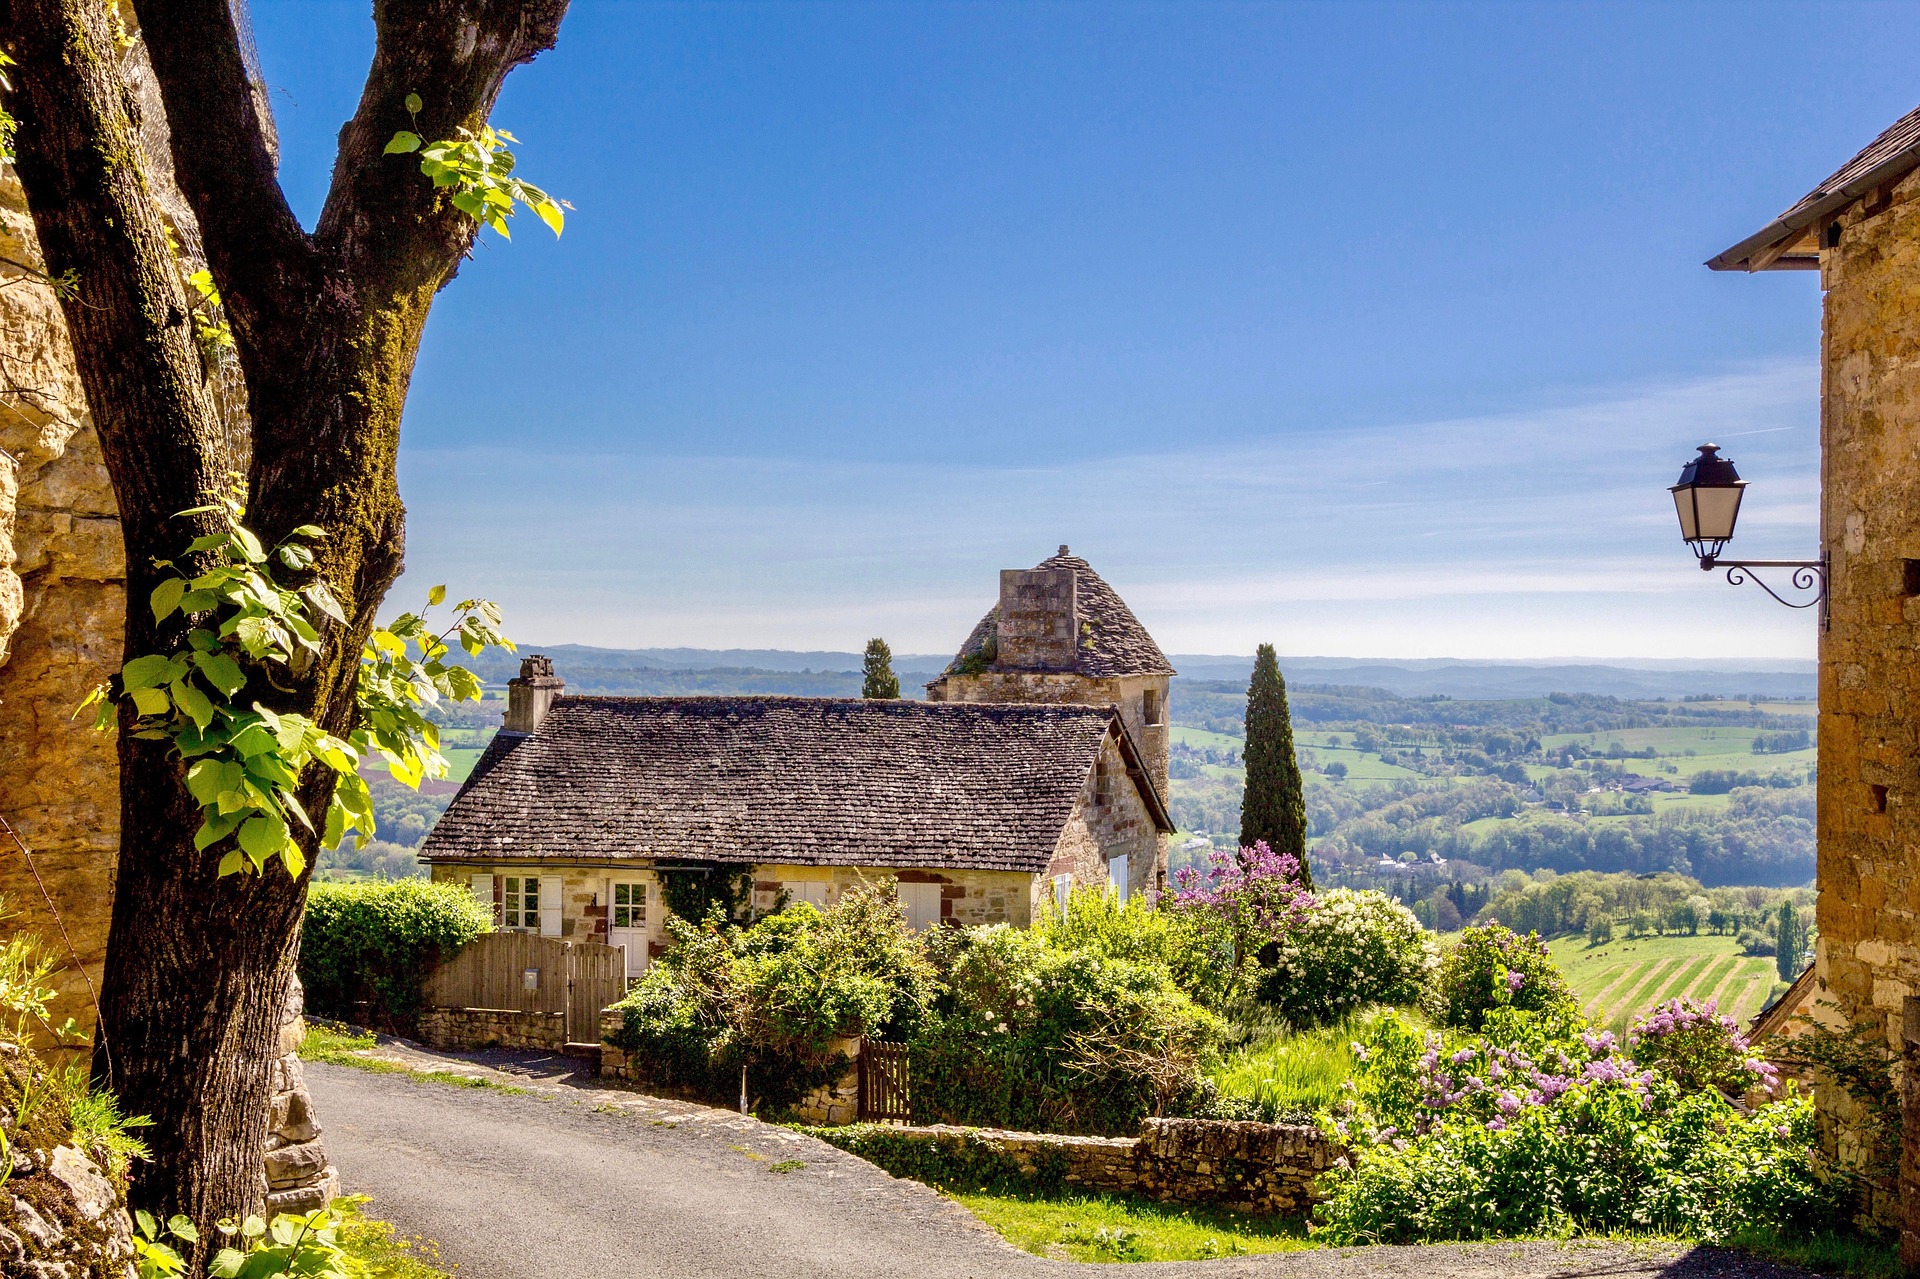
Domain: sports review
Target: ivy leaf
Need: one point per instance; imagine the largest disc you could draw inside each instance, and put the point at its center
(263, 835)
(402, 142)
(150, 701)
(197, 705)
(145, 672)
(221, 671)
(166, 597)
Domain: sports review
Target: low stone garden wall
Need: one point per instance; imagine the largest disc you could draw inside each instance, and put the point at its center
(1249, 1167)
(467, 1029)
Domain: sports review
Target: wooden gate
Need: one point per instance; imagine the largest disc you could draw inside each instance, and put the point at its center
(883, 1082)
(523, 972)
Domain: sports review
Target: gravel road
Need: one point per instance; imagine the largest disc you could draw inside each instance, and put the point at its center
(574, 1180)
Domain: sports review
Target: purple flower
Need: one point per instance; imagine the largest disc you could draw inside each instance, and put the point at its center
(1515, 980)
(1508, 1103)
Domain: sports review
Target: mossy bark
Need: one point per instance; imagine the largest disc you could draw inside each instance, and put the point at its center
(326, 329)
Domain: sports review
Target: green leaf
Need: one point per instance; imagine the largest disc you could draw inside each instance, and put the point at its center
(436, 594)
(254, 740)
(321, 598)
(414, 105)
(295, 859)
(232, 863)
(221, 671)
(402, 142)
(166, 597)
(182, 1228)
(145, 672)
(263, 835)
(249, 544)
(309, 531)
(296, 557)
(197, 705)
(208, 777)
(150, 701)
(214, 829)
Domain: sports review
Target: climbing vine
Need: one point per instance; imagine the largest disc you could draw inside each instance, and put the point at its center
(244, 761)
(477, 171)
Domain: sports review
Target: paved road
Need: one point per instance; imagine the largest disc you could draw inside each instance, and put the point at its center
(576, 1181)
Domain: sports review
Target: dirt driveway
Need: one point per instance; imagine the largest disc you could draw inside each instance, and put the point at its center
(573, 1180)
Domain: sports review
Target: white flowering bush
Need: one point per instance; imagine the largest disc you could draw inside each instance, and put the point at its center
(1348, 950)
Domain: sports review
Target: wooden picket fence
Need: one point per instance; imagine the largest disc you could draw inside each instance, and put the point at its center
(523, 972)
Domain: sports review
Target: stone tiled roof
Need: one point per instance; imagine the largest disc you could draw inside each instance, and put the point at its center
(813, 781)
(1892, 155)
(1112, 641)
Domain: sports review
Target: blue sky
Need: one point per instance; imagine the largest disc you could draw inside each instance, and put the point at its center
(1370, 330)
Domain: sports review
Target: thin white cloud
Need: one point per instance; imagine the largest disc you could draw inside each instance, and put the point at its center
(1514, 534)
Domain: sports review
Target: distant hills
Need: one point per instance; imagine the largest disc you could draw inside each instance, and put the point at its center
(667, 671)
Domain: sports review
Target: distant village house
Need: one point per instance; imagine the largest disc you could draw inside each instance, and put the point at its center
(1038, 764)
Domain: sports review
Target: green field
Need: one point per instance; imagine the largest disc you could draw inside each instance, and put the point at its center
(1685, 751)
(1622, 978)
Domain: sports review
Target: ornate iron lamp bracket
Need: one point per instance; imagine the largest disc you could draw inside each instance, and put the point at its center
(1808, 575)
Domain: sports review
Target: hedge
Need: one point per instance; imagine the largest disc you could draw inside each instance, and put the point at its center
(374, 944)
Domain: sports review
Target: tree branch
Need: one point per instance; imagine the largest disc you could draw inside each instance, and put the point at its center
(224, 164)
(384, 223)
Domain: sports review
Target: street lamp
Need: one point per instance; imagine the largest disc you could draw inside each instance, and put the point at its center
(1707, 500)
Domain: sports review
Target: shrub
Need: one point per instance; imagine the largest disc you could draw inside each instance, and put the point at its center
(375, 943)
(1028, 1035)
(1698, 1047)
(773, 998)
(1350, 949)
(1193, 946)
(1254, 894)
(1603, 1158)
(1494, 967)
(1541, 1126)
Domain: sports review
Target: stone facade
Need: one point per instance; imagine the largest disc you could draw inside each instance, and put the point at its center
(470, 1029)
(62, 598)
(839, 1101)
(1264, 1169)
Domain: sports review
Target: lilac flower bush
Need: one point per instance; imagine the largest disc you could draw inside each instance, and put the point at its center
(1255, 893)
(1539, 1123)
(1699, 1047)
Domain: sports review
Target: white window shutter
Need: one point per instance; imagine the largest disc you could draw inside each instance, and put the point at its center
(552, 891)
(1117, 874)
(482, 888)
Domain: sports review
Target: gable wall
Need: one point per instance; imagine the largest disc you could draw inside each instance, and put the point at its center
(1109, 819)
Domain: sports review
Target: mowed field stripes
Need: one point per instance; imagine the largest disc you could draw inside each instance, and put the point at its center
(1618, 981)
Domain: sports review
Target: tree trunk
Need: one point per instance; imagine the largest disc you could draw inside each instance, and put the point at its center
(326, 331)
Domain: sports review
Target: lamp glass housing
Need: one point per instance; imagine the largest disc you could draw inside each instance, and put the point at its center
(1707, 500)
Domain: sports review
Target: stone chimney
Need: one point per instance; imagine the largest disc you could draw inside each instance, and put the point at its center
(1039, 619)
(530, 697)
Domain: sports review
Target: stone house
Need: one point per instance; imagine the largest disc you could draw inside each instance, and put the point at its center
(980, 812)
(1861, 230)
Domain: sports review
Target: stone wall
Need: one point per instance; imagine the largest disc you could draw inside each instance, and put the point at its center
(1869, 784)
(468, 1029)
(299, 1178)
(1255, 1168)
(62, 598)
(1108, 819)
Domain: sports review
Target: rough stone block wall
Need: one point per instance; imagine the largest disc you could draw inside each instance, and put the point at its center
(1109, 818)
(1869, 781)
(469, 1029)
(1039, 628)
(62, 598)
(1264, 1169)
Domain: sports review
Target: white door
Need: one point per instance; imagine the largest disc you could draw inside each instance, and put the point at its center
(1117, 874)
(921, 905)
(627, 922)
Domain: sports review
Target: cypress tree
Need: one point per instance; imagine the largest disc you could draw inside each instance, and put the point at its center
(1274, 806)
(1787, 943)
(881, 682)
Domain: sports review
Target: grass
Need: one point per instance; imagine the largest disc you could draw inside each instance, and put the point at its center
(1627, 976)
(1846, 1256)
(1292, 1072)
(338, 1044)
(1115, 1228)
